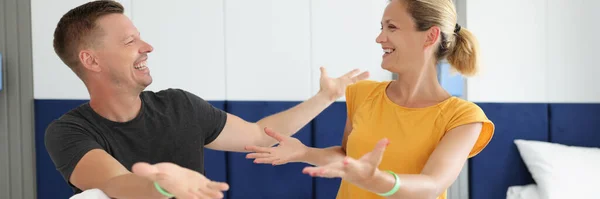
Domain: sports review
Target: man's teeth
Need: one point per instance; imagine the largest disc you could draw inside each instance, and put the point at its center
(388, 50)
(140, 66)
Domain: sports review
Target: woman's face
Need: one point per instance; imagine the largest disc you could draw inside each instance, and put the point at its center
(405, 48)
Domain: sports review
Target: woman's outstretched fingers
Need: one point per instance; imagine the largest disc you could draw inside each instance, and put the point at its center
(269, 160)
(274, 134)
(331, 173)
(258, 155)
(378, 151)
(258, 149)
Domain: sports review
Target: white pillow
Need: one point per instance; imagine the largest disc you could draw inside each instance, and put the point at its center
(90, 194)
(562, 171)
(529, 191)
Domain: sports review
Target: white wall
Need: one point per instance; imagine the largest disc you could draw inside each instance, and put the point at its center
(51, 78)
(231, 49)
(535, 50)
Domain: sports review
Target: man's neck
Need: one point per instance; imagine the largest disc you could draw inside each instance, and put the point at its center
(115, 106)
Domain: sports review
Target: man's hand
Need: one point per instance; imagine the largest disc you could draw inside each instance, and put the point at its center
(289, 149)
(181, 182)
(334, 88)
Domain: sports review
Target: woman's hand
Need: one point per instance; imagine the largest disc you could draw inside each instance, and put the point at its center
(359, 172)
(289, 149)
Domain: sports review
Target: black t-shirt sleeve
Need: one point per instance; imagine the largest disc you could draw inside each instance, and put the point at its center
(67, 142)
(210, 119)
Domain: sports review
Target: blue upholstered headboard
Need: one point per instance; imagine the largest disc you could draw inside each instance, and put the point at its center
(491, 172)
(499, 165)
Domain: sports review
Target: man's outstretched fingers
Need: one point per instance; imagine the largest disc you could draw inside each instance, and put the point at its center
(360, 77)
(323, 71)
(351, 74)
(199, 193)
(145, 170)
(221, 186)
(208, 192)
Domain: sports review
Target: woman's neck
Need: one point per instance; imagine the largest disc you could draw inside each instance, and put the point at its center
(417, 91)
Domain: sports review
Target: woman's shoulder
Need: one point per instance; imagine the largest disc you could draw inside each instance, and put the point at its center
(366, 86)
(458, 105)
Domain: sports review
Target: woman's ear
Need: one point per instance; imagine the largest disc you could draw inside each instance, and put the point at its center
(432, 36)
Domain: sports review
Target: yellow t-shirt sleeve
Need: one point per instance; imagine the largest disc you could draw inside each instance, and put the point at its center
(357, 93)
(471, 113)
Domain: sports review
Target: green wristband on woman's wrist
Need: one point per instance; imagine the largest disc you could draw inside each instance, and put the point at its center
(396, 186)
(162, 191)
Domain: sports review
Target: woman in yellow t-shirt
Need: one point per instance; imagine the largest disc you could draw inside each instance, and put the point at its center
(430, 133)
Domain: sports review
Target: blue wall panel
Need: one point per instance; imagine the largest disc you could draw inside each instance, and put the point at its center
(328, 132)
(499, 165)
(215, 162)
(50, 184)
(575, 124)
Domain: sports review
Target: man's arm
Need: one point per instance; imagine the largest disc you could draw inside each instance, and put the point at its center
(97, 169)
(238, 133)
(86, 165)
(320, 157)
(292, 150)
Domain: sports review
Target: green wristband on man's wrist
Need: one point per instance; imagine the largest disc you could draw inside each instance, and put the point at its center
(162, 191)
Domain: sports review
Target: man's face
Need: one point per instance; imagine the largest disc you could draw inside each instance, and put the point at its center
(121, 54)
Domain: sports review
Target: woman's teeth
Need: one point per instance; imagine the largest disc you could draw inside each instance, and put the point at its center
(140, 66)
(388, 51)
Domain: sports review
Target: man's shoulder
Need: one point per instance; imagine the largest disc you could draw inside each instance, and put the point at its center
(168, 94)
(76, 121)
(173, 101)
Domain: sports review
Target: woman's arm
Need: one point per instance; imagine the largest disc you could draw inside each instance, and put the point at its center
(440, 171)
(292, 150)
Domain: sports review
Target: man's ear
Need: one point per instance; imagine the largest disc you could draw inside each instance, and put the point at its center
(89, 61)
(432, 36)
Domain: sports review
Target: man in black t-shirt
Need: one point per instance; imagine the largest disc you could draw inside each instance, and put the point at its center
(132, 143)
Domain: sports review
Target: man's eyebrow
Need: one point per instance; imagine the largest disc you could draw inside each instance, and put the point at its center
(130, 36)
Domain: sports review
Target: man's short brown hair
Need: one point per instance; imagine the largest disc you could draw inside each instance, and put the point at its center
(77, 27)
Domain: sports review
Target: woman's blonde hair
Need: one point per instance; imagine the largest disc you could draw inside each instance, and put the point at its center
(458, 45)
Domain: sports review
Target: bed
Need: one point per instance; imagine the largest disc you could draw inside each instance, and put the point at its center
(541, 139)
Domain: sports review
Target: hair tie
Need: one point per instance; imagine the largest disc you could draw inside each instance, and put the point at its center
(456, 28)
